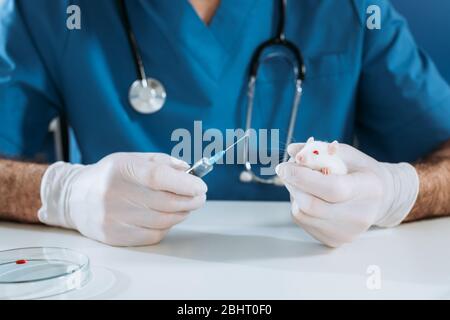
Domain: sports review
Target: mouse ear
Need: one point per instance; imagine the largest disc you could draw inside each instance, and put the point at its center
(311, 139)
(332, 147)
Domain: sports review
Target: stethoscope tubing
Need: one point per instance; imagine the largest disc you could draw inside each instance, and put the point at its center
(139, 64)
(255, 61)
(300, 73)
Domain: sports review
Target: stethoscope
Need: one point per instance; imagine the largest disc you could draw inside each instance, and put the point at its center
(298, 67)
(148, 95)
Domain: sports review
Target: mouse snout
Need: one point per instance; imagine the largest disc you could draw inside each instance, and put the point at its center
(300, 158)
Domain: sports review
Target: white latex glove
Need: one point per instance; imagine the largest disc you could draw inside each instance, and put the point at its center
(126, 199)
(335, 209)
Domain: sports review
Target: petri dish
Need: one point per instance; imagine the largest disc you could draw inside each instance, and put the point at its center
(41, 272)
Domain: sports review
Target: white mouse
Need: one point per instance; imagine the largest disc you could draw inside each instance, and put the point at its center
(321, 156)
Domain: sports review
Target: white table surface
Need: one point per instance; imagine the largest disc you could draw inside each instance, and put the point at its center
(252, 250)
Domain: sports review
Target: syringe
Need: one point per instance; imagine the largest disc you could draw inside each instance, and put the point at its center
(205, 165)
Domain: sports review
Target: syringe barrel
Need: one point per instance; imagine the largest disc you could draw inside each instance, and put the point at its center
(201, 168)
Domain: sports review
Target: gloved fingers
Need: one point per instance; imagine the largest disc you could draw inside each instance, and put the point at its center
(354, 212)
(158, 158)
(327, 233)
(312, 230)
(165, 178)
(353, 158)
(331, 188)
(312, 205)
(343, 221)
(167, 159)
(295, 148)
(151, 219)
(148, 237)
(317, 234)
(171, 202)
(162, 177)
(125, 235)
(166, 201)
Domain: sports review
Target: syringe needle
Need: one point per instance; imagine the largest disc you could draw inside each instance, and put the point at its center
(205, 165)
(239, 140)
(220, 154)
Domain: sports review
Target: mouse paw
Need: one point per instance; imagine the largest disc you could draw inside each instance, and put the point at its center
(325, 171)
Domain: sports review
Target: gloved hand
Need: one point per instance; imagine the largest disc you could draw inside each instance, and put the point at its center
(335, 209)
(126, 199)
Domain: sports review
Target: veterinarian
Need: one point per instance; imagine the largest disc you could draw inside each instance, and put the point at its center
(133, 72)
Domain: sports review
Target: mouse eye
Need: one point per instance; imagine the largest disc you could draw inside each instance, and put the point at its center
(316, 152)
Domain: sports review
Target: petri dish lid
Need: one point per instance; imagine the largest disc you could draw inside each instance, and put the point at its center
(40, 272)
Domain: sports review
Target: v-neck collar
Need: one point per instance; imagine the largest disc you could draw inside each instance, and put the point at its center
(229, 20)
(211, 45)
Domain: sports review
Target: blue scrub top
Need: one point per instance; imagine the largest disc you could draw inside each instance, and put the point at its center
(372, 85)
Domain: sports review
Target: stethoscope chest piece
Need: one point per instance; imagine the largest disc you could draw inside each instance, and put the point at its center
(147, 96)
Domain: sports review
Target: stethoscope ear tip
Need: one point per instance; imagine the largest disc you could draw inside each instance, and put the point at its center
(278, 182)
(246, 176)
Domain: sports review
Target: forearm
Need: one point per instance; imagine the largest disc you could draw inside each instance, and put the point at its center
(20, 190)
(434, 191)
